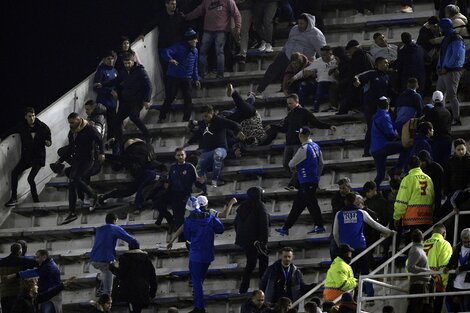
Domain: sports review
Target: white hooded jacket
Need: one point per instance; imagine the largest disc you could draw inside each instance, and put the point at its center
(307, 42)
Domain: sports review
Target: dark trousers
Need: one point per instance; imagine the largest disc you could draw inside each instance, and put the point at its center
(171, 89)
(111, 122)
(245, 109)
(419, 305)
(274, 71)
(8, 303)
(441, 150)
(368, 116)
(252, 257)
(22, 166)
(135, 307)
(289, 151)
(198, 272)
(380, 159)
(131, 110)
(178, 205)
(361, 266)
(305, 197)
(77, 174)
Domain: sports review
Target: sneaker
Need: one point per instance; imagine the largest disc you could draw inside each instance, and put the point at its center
(269, 48)
(214, 183)
(289, 187)
(94, 203)
(254, 45)
(11, 203)
(230, 90)
(69, 219)
(456, 123)
(317, 230)
(406, 9)
(282, 231)
(262, 46)
(262, 249)
(258, 94)
(57, 168)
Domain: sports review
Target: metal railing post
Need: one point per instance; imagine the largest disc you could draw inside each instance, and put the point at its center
(394, 249)
(359, 294)
(456, 229)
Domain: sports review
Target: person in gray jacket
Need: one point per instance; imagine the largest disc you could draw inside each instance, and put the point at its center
(304, 38)
(416, 263)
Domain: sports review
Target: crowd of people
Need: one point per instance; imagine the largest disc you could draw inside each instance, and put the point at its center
(388, 84)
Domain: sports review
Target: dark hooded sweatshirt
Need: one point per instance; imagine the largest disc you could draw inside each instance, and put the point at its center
(252, 219)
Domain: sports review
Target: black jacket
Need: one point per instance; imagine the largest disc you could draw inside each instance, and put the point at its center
(82, 143)
(250, 307)
(337, 202)
(361, 61)
(381, 207)
(454, 264)
(457, 173)
(252, 220)
(214, 134)
(133, 86)
(26, 304)
(411, 62)
(135, 158)
(138, 281)
(11, 265)
(441, 121)
(296, 119)
(33, 150)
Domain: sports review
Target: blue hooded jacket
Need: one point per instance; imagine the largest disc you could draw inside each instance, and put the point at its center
(382, 130)
(199, 229)
(48, 272)
(104, 248)
(452, 53)
(187, 58)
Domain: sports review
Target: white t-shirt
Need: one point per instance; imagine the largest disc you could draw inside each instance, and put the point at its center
(322, 68)
(459, 281)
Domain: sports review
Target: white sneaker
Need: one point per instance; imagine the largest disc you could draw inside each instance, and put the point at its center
(269, 48)
(262, 47)
(214, 183)
(406, 9)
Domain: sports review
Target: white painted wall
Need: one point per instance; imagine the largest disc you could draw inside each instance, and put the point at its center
(55, 116)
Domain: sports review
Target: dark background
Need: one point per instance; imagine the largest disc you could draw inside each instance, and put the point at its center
(50, 46)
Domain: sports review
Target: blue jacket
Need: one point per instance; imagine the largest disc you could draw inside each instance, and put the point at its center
(187, 58)
(411, 62)
(104, 248)
(182, 177)
(375, 84)
(308, 170)
(382, 130)
(409, 104)
(48, 272)
(104, 74)
(420, 142)
(199, 229)
(452, 53)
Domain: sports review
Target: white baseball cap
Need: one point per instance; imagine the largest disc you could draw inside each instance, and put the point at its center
(202, 200)
(437, 96)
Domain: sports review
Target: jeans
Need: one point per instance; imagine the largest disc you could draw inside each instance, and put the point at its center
(198, 272)
(263, 14)
(245, 31)
(286, 9)
(305, 197)
(323, 89)
(78, 175)
(289, 151)
(307, 88)
(106, 285)
(46, 307)
(448, 84)
(208, 38)
(215, 158)
(380, 159)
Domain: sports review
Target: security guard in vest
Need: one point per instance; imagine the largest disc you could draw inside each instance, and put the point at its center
(439, 251)
(415, 200)
(340, 275)
(308, 161)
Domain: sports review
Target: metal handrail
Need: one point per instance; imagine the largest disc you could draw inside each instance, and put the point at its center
(445, 218)
(311, 291)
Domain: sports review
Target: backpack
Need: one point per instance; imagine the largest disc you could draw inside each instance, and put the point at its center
(408, 132)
